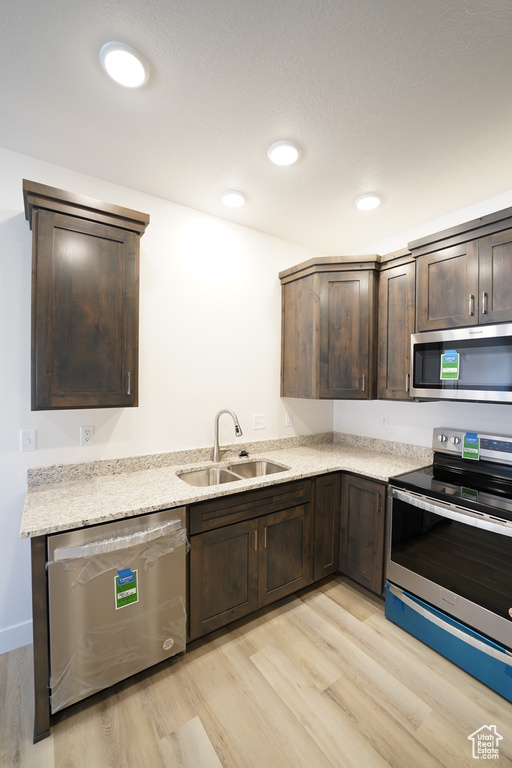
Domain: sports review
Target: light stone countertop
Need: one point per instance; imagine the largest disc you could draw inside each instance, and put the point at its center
(65, 504)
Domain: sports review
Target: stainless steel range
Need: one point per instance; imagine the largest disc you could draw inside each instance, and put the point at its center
(449, 553)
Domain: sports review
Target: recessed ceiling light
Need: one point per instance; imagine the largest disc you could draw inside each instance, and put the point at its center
(284, 152)
(233, 199)
(124, 64)
(368, 202)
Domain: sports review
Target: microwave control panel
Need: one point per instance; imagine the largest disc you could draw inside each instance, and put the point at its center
(489, 447)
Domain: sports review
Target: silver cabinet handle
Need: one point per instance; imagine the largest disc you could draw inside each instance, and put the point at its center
(265, 537)
(255, 541)
(484, 302)
(407, 382)
(128, 383)
(471, 308)
(363, 382)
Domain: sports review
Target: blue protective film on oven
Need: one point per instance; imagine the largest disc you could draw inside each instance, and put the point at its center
(489, 670)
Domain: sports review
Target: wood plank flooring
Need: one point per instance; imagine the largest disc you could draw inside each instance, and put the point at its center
(320, 680)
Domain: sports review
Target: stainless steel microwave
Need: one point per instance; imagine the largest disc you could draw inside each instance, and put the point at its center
(463, 364)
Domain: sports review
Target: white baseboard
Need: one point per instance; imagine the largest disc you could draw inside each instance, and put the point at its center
(16, 636)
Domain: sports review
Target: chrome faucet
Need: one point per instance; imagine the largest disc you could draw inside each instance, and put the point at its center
(238, 431)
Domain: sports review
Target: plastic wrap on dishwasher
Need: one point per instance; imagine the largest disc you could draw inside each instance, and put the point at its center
(110, 652)
(91, 560)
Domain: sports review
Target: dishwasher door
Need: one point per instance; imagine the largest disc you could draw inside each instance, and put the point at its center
(116, 602)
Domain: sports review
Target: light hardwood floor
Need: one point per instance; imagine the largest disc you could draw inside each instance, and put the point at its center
(320, 680)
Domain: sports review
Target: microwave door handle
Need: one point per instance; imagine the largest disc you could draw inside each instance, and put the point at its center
(464, 516)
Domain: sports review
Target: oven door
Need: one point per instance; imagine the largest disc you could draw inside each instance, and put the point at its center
(456, 558)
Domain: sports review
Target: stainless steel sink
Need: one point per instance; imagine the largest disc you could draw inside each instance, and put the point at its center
(205, 477)
(232, 473)
(257, 468)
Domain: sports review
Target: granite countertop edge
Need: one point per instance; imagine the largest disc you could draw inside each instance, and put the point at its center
(59, 506)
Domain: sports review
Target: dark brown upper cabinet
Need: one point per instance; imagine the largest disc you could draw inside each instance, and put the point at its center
(85, 300)
(328, 330)
(397, 291)
(464, 275)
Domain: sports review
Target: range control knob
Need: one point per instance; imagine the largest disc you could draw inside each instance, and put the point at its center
(442, 438)
(455, 440)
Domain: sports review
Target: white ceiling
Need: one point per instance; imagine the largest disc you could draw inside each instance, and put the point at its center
(408, 98)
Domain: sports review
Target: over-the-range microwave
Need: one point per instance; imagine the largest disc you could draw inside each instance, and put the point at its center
(463, 364)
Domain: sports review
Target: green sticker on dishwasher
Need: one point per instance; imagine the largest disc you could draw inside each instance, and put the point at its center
(126, 590)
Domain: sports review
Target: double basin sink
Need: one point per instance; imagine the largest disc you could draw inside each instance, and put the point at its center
(231, 473)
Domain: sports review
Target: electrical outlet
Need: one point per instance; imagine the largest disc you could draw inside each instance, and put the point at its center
(288, 420)
(384, 422)
(86, 435)
(28, 439)
(259, 421)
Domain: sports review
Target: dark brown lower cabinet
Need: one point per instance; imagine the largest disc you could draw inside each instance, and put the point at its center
(284, 545)
(362, 531)
(327, 524)
(223, 576)
(246, 551)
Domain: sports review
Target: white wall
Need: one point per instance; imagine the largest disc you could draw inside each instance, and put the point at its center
(413, 422)
(210, 312)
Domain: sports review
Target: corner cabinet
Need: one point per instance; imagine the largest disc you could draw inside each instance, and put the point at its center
(397, 292)
(328, 329)
(464, 275)
(85, 300)
(327, 504)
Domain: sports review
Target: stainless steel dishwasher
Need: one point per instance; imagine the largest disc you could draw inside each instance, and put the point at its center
(116, 601)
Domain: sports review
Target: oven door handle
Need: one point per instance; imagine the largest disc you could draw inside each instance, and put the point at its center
(463, 516)
(502, 655)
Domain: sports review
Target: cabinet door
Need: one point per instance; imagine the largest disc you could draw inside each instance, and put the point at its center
(447, 288)
(327, 524)
(345, 335)
(285, 553)
(85, 314)
(495, 285)
(223, 576)
(299, 338)
(397, 293)
(363, 531)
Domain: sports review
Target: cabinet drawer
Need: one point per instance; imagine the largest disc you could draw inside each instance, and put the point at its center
(226, 510)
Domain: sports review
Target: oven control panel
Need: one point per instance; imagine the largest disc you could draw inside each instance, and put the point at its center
(473, 445)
